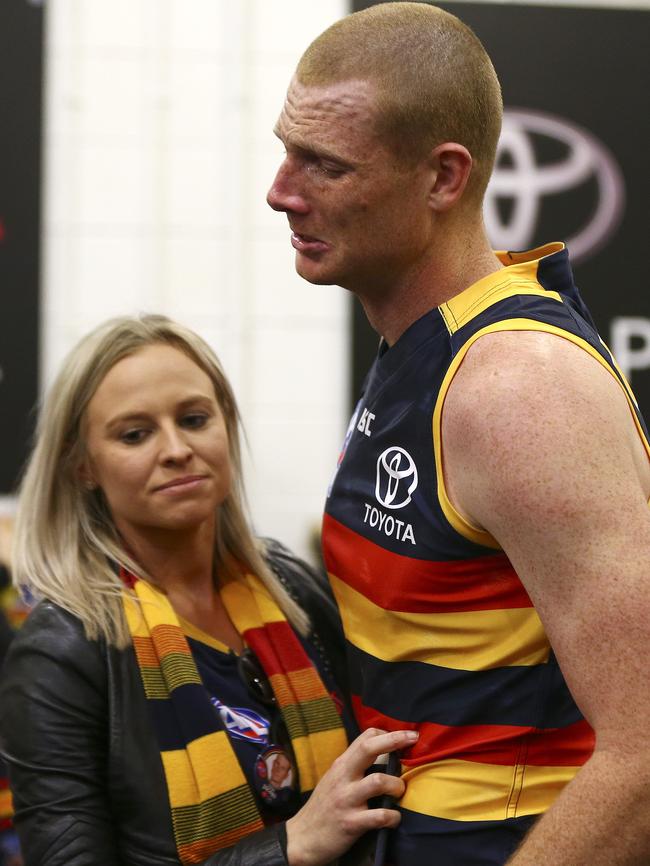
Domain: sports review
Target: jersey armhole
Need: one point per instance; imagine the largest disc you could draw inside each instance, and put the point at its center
(457, 521)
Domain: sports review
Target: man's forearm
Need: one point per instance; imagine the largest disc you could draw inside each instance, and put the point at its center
(602, 818)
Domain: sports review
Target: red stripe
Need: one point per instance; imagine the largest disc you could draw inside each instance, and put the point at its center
(402, 583)
(504, 745)
(276, 641)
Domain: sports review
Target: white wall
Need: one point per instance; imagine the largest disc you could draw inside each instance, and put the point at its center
(158, 153)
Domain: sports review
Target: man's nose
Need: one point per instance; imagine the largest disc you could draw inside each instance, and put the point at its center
(285, 194)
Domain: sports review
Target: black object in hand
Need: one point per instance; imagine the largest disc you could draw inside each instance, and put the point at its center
(387, 802)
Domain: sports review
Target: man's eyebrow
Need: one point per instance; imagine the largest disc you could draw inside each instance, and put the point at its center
(315, 150)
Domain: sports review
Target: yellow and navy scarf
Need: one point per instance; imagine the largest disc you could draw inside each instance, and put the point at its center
(211, 803)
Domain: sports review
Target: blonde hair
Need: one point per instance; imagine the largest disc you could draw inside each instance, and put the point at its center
(66, 546)
(434, 80)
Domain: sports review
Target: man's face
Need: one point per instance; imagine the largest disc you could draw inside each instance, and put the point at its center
(280, 770)
(359, 216)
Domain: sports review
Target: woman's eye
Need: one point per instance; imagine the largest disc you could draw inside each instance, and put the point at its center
(132, 437)
(194, 420)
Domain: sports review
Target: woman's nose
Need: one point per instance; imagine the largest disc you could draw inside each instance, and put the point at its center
(175, 446)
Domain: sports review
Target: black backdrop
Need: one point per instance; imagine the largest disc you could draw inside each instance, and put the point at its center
(580, 77)
(585, 66)
(21, 28)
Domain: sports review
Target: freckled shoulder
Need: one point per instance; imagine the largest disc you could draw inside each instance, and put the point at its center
(528, 411)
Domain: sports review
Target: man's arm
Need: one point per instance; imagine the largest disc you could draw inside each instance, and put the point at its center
(540, 448)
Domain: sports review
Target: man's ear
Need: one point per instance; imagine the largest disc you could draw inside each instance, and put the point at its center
(452, 164)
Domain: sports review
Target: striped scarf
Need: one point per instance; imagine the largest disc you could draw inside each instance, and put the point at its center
(6, 805)
(211, 803)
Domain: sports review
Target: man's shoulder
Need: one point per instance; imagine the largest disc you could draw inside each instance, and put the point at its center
(519, 368)
(518, 395)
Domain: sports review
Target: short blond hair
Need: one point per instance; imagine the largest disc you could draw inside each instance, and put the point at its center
(66, 546)
(434, 79)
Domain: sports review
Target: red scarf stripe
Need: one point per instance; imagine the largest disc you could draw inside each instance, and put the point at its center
(197, 852)
(169, 639)
(145, 652)
(277, 648)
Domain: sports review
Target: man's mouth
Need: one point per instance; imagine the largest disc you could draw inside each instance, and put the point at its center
(307, 243)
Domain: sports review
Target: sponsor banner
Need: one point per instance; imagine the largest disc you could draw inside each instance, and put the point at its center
(572, 161)
(21, 24)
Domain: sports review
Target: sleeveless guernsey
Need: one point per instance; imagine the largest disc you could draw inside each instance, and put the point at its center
(441, 634)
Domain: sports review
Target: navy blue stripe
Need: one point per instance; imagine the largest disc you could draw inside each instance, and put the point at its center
(419, 692)
(197, 717)
(423, 841)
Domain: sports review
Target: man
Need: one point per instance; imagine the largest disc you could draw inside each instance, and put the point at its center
(488, 530)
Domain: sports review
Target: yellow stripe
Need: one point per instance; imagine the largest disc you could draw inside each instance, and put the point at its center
(134, 618)
(193, 631)
(326, 747)
(469, 791)
(149, 609)
(213, 770)
(460, 524)
(6, 803)
(514, 259)
(315, 755)
(236, 596)
(519, 279)
(156, 607)
(461, 309)
(468, 640)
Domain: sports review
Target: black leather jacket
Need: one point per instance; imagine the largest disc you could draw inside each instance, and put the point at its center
(89, 786)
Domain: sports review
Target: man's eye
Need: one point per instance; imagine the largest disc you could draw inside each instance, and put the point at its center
(330, 169)
(324, 168)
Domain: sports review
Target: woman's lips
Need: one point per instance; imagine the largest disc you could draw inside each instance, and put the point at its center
(307, 244)
(180, 485)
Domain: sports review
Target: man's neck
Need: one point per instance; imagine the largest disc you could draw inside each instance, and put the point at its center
(445, 273)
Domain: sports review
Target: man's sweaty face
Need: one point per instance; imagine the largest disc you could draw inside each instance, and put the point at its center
(351, 205)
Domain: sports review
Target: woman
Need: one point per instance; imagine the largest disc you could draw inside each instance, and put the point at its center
(169, 699)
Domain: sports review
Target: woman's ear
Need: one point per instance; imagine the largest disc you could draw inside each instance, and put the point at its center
(452, 164)
(85, 476)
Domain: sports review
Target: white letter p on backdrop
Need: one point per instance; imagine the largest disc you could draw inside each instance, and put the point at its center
(626, 330)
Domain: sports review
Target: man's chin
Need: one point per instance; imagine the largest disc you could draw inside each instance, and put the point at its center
(314, 272)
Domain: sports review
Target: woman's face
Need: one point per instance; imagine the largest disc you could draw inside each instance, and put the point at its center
(156, 445)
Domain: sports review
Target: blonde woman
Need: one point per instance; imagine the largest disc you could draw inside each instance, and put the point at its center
(173, 697)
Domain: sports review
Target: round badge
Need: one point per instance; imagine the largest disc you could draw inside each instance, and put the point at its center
(274, 777)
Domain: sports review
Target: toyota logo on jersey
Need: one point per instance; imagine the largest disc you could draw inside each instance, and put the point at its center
(397, 477)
